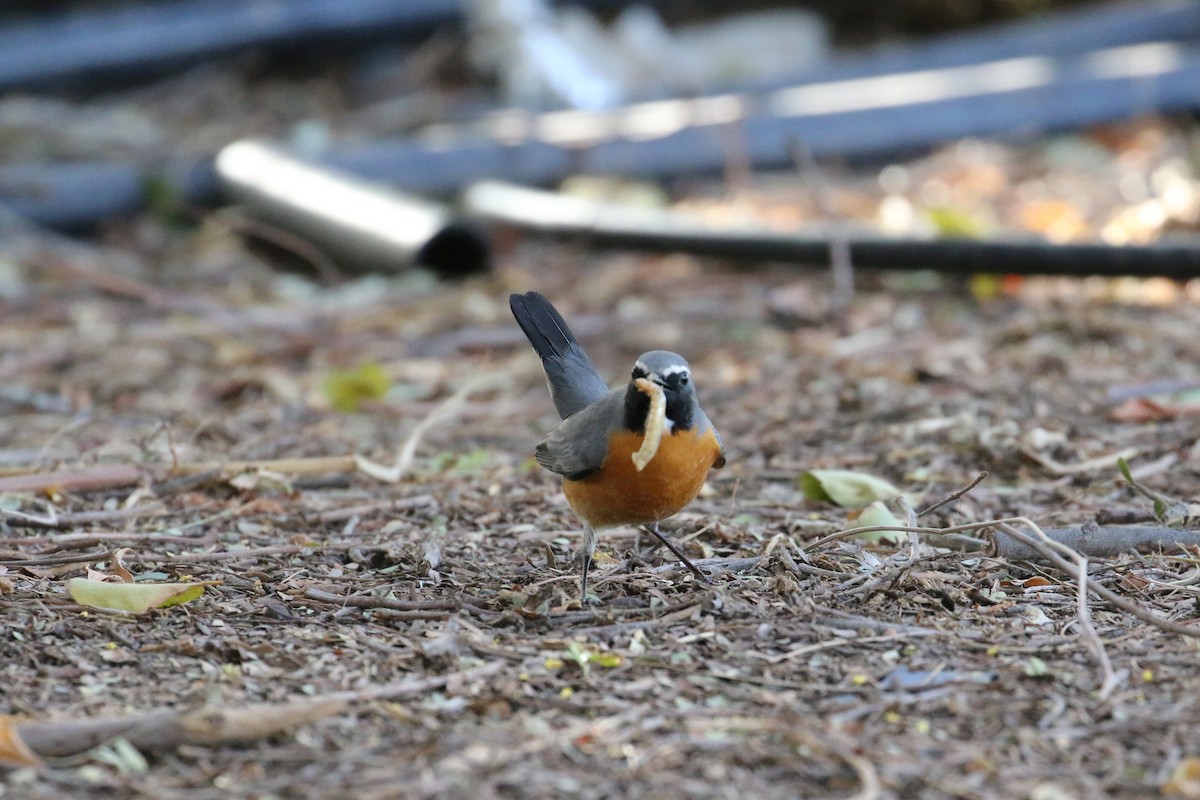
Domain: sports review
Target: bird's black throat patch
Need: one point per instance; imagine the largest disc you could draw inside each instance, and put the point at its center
(637, 407)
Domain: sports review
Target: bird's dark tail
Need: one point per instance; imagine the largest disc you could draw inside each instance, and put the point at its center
(574, 381)
(545, 328)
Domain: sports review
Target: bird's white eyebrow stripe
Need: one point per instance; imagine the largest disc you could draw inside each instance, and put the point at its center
(674, 369)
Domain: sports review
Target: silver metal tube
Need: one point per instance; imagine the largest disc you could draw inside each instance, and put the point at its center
(363, 226)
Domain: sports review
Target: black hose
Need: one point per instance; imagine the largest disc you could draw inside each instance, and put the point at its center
(641, 229)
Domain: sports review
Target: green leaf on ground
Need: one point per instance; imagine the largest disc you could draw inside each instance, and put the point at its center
(877, 514)
(845, 488)
(135, 598)
(347, 389)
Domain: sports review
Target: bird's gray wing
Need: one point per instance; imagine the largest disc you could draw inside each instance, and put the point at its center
(578, 446)
(703, 420)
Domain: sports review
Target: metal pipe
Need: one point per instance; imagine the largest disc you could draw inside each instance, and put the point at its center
(365, 227)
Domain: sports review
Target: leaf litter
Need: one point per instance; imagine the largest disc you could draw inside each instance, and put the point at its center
(928, 664)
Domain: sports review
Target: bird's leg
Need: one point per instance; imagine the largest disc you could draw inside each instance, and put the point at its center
(653, 528)
(589, 550)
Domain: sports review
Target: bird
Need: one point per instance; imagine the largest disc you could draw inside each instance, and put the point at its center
(633, 455)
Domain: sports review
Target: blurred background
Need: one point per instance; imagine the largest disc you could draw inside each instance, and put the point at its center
(112, 109)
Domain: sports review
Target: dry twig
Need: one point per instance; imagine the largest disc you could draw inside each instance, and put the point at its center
(718, 565)
(950, 498)
(404, 459)
(168, 728)
(1090, 465)
(318, 465)
(434, 609)
(1098, 542)
(1105, 593)
(1005, 525)
(868, 777)
(1058, 553)
(87, 479)
(116, 476)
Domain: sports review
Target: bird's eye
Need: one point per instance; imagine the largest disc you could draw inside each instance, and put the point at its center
(683, 379)
(638, 372)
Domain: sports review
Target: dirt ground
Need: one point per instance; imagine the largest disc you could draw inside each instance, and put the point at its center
(831, 670)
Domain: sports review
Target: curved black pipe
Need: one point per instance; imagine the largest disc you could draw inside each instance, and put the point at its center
(607, 225)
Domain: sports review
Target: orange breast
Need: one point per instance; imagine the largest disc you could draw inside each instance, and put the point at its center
(620, 495)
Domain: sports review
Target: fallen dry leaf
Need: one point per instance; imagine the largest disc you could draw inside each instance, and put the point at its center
(1185, 779)
(12, 749)
(1139, 409)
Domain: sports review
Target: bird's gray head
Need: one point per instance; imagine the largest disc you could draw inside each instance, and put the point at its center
(671, 372)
